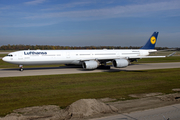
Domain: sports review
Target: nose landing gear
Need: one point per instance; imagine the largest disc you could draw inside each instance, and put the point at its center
(21, 68)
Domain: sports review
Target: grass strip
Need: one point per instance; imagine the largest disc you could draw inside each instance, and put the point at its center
(62, 90)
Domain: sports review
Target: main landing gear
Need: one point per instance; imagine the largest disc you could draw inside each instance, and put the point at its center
(21, 68)
(103, 66)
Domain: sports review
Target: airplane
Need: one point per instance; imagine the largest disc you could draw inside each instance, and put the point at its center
(88, 59)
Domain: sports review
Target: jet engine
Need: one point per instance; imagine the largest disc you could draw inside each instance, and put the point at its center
(90, 64)
(120, 63)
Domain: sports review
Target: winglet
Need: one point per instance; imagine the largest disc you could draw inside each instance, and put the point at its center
(151, 42)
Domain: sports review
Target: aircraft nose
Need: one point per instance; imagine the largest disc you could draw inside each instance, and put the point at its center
(4, 59)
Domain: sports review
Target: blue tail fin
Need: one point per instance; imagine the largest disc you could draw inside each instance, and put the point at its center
(151, 42)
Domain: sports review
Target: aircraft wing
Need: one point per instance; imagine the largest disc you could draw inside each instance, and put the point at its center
(112, 58)
(99, 58)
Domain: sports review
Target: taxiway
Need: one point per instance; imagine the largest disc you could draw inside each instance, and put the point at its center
(14, 72)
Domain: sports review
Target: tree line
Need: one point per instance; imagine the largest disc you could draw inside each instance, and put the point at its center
(52, 47)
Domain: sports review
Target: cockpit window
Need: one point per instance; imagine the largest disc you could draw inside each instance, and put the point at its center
(10, 55)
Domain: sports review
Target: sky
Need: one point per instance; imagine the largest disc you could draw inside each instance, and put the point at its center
(89, 22)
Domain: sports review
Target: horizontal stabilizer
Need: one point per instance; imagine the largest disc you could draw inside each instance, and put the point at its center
(171, 54)
(139, 57)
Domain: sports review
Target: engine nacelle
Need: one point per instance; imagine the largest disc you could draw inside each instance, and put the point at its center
(120, 63)
(90, 64)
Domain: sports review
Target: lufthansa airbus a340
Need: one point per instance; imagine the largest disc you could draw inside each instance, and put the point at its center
(89, 59)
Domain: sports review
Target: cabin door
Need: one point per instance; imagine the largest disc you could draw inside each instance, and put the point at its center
(20, 56)
(67, 54)
(117, 54)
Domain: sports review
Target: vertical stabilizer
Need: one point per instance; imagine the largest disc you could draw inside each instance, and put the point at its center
(151, 42)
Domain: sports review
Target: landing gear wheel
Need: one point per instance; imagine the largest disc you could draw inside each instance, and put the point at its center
(21, 69)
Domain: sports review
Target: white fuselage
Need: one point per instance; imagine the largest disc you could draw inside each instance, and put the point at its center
(89, 59)
(38, 57)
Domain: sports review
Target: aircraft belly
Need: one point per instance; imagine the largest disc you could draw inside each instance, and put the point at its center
(42, 62)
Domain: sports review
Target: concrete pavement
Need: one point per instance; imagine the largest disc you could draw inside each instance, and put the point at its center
(8, 72)
(171, 112)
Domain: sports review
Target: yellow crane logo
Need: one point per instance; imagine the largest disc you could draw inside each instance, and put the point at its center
(153, 40)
